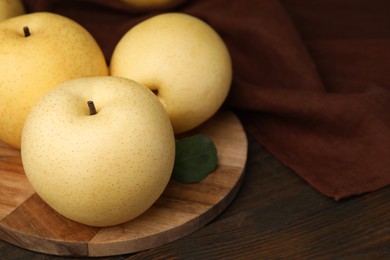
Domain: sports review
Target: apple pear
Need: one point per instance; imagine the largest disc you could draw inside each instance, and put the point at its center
(11, 8)
(103, 162)
(37, 52)
(183, 60)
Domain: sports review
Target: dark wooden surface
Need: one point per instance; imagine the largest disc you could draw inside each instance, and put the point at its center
(276, 215)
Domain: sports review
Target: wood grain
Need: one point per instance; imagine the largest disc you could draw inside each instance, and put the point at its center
(28, 222)
(277, 215)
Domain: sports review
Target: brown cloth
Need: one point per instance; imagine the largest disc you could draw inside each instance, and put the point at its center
(311, 78)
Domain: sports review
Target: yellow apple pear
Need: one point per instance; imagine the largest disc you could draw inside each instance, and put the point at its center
(183, 60)
(37, 52)
(10, 8)
(103, 162)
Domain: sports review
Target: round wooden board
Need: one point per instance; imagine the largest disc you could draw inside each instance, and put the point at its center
(28, 222)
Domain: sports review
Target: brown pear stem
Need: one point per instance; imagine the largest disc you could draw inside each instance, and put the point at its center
(92, 108)
(26, 31)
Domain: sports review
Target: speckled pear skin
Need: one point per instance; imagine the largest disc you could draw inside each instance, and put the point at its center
(102, 169)
(11, 8)
(183, 60)
(57, 49)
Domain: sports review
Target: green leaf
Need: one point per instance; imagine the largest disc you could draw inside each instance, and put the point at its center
(196, 157)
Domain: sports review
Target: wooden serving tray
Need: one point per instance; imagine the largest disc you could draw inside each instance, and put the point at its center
(28, 222)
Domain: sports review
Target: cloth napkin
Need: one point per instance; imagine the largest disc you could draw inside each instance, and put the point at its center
(311, 78)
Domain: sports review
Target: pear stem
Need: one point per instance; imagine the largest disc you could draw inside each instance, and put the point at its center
(26, 31)
(92, 108)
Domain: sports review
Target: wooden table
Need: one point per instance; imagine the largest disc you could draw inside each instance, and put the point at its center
(276, 215)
